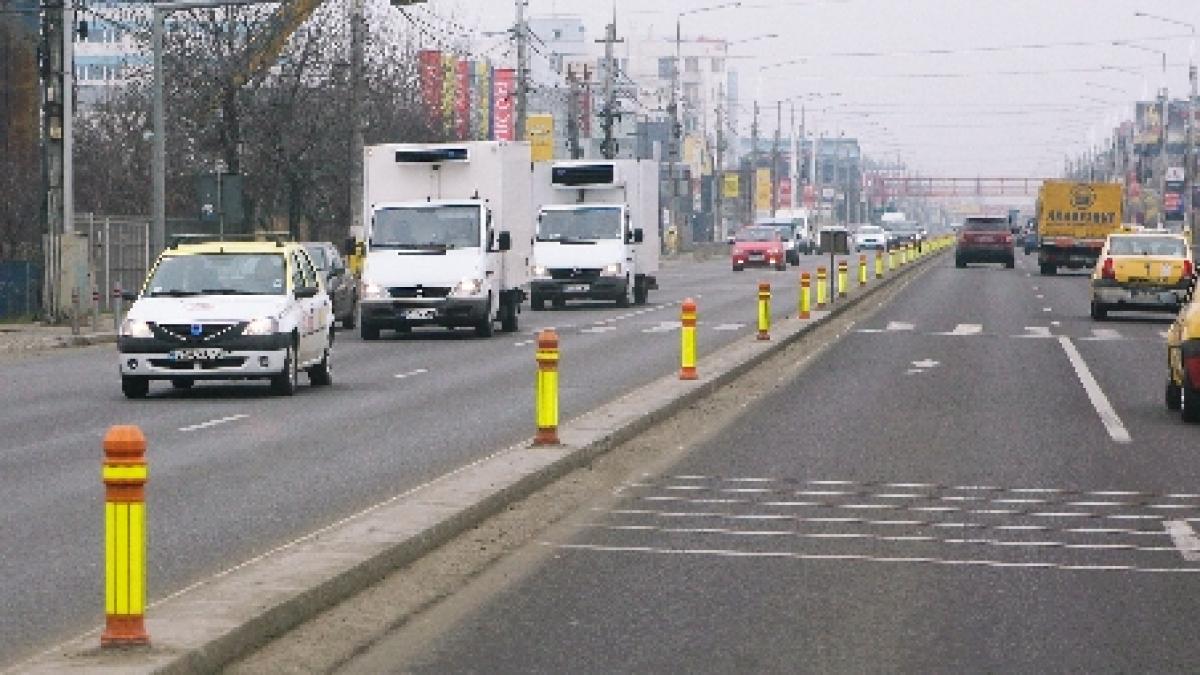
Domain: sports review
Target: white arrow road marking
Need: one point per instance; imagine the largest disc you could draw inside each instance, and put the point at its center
(730, 326)
(1112, 422)
(1035, 332)
(213, 423)
(964, 329)
(411, 373)
(899, 325)
(1103, 334)
(1185, 539)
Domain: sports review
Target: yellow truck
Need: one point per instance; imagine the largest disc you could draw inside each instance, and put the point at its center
(1073, 220)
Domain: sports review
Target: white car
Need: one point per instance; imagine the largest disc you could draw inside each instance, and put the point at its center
(871, 237)
(228, 311)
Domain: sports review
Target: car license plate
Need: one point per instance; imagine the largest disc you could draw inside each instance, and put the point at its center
(419, 314)
(985, 240)
(197, 354)
(577, 288)
(756, 256)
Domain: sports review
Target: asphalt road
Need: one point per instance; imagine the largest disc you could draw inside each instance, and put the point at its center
(938, 492)
(235, 472)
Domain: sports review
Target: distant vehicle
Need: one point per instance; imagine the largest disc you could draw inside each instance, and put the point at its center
(339, 283)
(787, 232)
(1183, 363)
(1073, 220)
(984, 239)
(870, 237)
(902, 233)
(1149, 272)
(805, 239)
(228, 311)
(758, 246)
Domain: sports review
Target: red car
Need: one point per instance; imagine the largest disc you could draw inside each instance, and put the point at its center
(984, 239)
(758, 246)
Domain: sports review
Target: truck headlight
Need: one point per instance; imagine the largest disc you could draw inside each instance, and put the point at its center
(136, 329)
(613, 269)
(373, 291)
(262, 326)
(469, 286)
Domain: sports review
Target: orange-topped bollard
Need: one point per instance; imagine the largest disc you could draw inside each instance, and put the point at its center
(687, 352)
(546, 398)
(764, 310)
(124, 474)
(805, 295)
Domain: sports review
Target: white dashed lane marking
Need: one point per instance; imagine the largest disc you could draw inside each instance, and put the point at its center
(411, 373)
(965, 329)
(212, 423)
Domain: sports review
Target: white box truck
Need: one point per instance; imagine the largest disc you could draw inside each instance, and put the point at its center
(449, 236)
(597, 231)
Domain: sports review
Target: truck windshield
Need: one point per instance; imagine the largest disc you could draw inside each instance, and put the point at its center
(582, 223)
(427, 227)
(219, 274)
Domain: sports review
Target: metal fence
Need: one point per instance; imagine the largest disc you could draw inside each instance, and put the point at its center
(20, 289)
(119, 253)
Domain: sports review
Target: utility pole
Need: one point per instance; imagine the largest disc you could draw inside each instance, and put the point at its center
(775, 158)
(718, 169)
(358, 29)
(1162, 195)
(522, 36)
(56, 93)
(573, 115)
(674, 137)
(753, 191)
(1190, 160)
(608, 147)
(794, 165)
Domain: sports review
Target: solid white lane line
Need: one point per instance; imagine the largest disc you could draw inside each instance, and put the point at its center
(1108, 416)
(411, 373)
(212, 423)
(1185, 539)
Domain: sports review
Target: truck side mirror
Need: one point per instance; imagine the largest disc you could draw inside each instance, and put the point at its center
(505, 242)
(638, 235)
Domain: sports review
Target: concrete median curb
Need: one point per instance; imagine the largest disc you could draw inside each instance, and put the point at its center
(208, 625)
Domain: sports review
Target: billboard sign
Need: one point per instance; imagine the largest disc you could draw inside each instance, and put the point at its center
(504, 87)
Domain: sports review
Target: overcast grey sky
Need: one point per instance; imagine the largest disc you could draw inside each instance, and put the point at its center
(1007, 112)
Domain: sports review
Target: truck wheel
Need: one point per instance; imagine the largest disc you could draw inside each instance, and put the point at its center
(368, 331)
(1173, 394)
(508, 317)
(537, 302)
(285, 383)
(737, 268)
(182, 383)
(559, 302)
(623, 298)
(135, 387)
(349, 321)
(1047, 270)
(1099, 312)
(321, 375)
(640, 291)
(486, 327)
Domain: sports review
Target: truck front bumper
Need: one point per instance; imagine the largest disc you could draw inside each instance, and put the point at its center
(244, 357)
(598, 288)
(448, 312)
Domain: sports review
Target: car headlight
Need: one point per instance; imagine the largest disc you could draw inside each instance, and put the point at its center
(540, 271)
(136, 329)
(613, 269)
(469, 286)
(373, 291)
(262, 326)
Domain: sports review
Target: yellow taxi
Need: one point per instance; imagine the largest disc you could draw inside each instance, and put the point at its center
(1143, 272)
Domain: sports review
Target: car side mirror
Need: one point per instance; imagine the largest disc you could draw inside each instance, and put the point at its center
(306, 292)
(505, 241)
(638, 235)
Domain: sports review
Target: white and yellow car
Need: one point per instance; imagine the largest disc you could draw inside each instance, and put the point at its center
(1141, 272)
(228, 311)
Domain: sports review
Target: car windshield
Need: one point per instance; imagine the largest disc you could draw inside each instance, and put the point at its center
(436, 226)
(986, 225)
(317, 254)
(219, 274)
(757, 234)
(601, 222)
(1158, 246)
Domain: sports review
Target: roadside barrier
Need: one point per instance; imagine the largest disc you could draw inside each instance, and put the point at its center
(75, 311)
(95, 309)
(118, 300)
(547, 388)
(862, 270)
(805, 295)
(124, 474)
(843, 278)
(892, 260)
(764, 311)
(879, 264)
(821, 281)
(687, 333)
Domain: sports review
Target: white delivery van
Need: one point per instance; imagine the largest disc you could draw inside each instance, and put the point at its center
(449, 236)
(597, 231)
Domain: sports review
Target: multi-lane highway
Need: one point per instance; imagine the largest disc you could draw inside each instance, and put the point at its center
(235, 471)
(977, 477)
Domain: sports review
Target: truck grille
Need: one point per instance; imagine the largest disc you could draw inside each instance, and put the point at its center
(419, 291)
(196, 334)
(575, 273)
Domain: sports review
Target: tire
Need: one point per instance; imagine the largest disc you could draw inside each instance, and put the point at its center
(182, 383)
(781, 268)
(537, 302)
(135, 387)
(368, 331)
(559, 302)
(508, 317)
(486, 327)
(623, 298)
(960, 263)
(1047, 270)
(738, 268)
(1099, 312)
(1189, 403)
(349, 322)
(284, 383)
(321, 375)
(1173, 395)
(640, 292)
(1011, 263)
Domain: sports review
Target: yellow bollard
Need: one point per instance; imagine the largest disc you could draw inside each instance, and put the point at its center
(805, 295)
(547, 388)
(687, 317)
(862, 270)
(879, 264)
(764, 311)
(821, 280)
(843, 278)
(124, 474)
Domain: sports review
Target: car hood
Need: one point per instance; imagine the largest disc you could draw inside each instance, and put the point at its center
(389, 268)
(207, 308)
